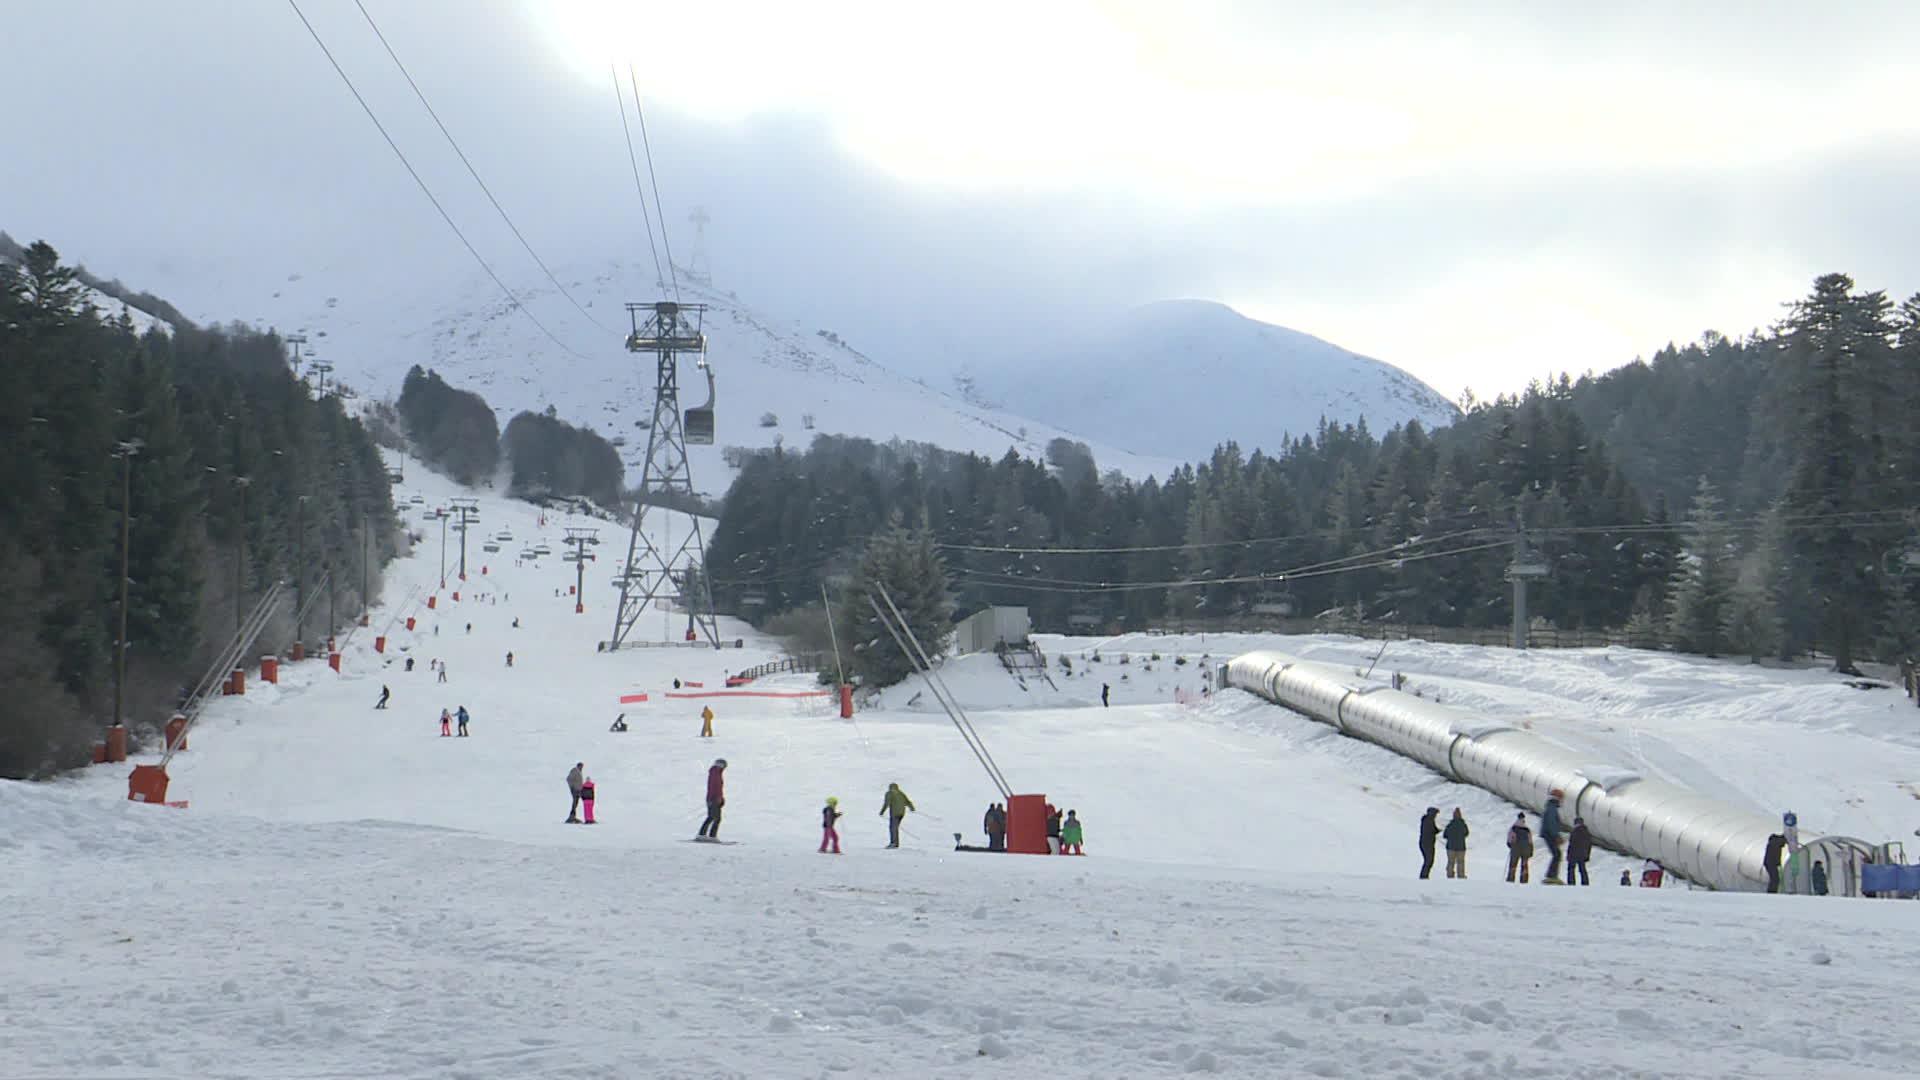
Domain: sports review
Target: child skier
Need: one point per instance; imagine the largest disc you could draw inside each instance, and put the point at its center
(586, 800)
(828, 834)
(1070, 834)
(446, 724)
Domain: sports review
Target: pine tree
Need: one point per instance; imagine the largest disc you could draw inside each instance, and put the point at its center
(904, 561)
(1700, 602)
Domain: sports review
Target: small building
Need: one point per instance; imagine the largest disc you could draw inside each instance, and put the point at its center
(989, 628)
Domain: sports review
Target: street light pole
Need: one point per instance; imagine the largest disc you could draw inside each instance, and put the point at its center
(125, 451)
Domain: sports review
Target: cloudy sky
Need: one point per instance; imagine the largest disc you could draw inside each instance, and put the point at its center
(1479, 196)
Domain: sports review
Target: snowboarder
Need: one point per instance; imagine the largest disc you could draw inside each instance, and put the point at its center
(576, 776)
(996, 825)
(469, 628)
(1105, 689)
(384, 695)
(509, 659)
(894, 806)
(460, 718)
(409, 663)
(1550, 833)
(1071, 835)
(1519, 848)
(829, 835)
(446, 724)
(1579, 850)
(716, 798)
(619, 723)
(1456, 836)
(516, 622)
(586, 801)
(1771, 860)
(706, 721)
(1053, 830)
(1429, 834)
(1819, 878)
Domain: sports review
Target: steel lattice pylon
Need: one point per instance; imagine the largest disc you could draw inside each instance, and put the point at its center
(653, 575)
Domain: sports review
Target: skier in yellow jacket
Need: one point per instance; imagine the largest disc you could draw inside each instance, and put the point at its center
(706, 722)
(894, 807)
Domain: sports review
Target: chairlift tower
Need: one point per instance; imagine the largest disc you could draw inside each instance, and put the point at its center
(1527, 565)
(699, 267)
(654, 574)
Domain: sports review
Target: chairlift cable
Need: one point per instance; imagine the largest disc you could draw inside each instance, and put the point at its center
(633, 161)
(659, 210)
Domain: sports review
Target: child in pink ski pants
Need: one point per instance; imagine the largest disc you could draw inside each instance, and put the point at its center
(586, 799)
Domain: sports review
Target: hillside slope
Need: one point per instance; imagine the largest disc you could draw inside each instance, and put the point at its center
(1177, 378)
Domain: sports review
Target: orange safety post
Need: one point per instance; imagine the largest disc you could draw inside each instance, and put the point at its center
(380, 643)
(846, 701)
(483, 571)
(333, 661)
(116, 743)
(569, 590)
(177, 732)
(270, 669)
(239, 680)
(99, 753)
(148, 784)
(579, 608)
(456, 596)
(298, 652)
(432, 602)
(1027, 824)
(363, 620)
(409, 622)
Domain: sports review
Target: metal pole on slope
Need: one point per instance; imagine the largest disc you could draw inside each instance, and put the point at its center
(833, 635)
(125, 451)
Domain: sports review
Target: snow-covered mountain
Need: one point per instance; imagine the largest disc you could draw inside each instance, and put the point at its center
(1177, 378)
(776, 382)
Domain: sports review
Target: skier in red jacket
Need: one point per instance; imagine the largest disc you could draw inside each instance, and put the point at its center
(716, 798)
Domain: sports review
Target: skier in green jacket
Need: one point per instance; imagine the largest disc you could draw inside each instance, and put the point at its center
(894, 807)
(1070, 834)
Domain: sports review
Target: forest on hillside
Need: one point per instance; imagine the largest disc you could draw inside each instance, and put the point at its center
(227, 468)
(1749, 496)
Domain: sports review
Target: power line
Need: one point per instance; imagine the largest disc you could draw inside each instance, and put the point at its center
(638, 188)
(1236, 579)
(424, 189)
(659, 209)
(475, 173)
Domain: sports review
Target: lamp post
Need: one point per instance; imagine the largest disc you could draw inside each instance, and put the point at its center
(125, 452)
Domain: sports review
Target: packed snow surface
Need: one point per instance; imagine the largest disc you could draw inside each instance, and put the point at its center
(350, 894)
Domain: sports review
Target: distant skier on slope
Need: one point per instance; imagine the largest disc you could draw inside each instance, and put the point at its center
(1429, 836)
(894, 806)
(829, 814)
(716, 798)
(446, 724)
(576, 776)
(1519, 848)
(706, 721)
(1456, 834)
(1105, 690)
(460, 718)
(1579, 850)
(1550, 834)
(384, 695)
(586, 800)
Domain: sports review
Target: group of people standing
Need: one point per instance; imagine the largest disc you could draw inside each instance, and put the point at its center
(1065, 836)
(1578, 849)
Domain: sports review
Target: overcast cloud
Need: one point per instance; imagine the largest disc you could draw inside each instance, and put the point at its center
(1477, 198)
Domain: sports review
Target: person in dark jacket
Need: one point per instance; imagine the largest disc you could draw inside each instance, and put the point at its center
(894, 806)
(460, 721)
(1456, 837)
(1775, 845)
(716, 798)
(1579, 850)
(1429, 836)
(829, 814)
(1626, 878)
(1104, 691)
(1550, 834)
(575, 777)
(1819, 878)
(996, 825)
(384, 695)
(1519, 849)
(586, 800)
(1053, 830)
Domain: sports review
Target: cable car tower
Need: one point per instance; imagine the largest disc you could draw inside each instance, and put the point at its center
(654, 574)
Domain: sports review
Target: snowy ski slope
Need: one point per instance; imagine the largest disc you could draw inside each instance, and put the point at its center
(350, 894)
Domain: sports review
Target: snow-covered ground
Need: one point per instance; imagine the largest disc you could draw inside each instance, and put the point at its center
(350, 894)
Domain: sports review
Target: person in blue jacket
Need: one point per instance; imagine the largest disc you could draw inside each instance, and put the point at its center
(1550, 835)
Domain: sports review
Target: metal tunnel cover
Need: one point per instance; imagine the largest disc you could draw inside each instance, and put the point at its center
(1702, 840)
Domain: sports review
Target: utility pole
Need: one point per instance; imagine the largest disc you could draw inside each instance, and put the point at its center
(296, 340)
(300, 569)
(443, 515)
(469, 511)
(125, 452)
(579, 538)
(1527, 565)
(320, 371)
